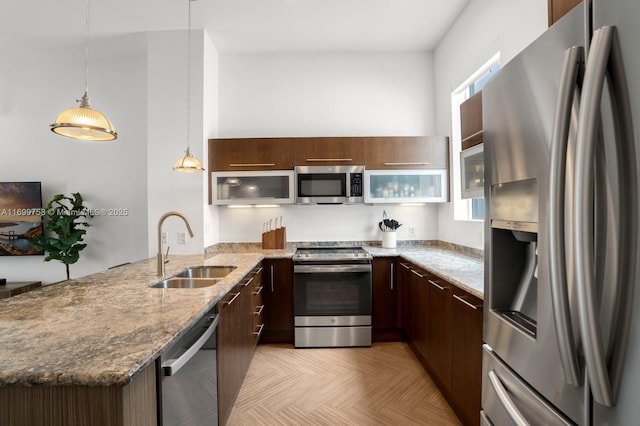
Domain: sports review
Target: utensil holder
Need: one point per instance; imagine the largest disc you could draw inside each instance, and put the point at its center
(281, 237)
(269, 240)
(389, 239)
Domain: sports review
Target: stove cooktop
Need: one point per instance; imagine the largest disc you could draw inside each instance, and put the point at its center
(311, 254)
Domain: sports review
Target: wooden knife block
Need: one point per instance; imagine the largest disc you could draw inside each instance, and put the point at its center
(276, 239)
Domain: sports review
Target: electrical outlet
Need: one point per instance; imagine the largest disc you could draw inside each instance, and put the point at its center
(182, 238)
(412, 230)
(165, 237)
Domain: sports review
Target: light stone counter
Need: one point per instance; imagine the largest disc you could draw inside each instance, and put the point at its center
(444, 260)
(104, 328)
(466, 272)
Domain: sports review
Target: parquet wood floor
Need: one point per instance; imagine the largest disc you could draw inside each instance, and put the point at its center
(381, 385)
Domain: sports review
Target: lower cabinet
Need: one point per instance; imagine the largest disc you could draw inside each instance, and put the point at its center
(277, 296)
(440, 337)
(237, 336)
(384, 300)
(443, 326)
(466, 383)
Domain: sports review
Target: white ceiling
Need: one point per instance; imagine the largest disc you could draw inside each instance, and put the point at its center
(238, 25)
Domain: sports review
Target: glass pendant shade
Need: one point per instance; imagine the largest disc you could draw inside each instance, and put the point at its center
(188, 163)
(84, 123)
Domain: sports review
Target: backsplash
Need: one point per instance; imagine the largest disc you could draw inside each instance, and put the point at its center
(291, 246)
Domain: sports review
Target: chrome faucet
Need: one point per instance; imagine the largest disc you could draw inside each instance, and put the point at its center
(162, 258)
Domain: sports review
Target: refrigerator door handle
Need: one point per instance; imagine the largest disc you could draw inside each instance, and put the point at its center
(571, 75)
(605, 58)
(506, 401)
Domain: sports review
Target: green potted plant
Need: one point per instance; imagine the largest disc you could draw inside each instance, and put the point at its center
(65, 219)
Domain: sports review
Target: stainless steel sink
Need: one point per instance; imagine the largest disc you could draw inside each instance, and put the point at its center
(206, 272)
(177, 282)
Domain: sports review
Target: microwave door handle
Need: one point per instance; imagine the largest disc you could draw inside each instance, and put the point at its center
(573, 61)
(605, 57)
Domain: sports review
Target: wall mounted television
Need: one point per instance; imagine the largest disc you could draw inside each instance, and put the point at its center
(20, 218)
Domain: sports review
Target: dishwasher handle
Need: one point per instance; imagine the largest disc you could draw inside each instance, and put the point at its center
(172, 366)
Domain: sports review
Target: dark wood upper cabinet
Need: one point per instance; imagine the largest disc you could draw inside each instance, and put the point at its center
(558, 8)
(406, 152)
(471, 121)
(250, 154)
(329, 151)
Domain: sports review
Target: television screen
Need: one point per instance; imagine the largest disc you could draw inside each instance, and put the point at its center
(20, 218)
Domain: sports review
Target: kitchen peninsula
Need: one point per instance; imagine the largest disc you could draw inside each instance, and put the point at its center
(92, 342)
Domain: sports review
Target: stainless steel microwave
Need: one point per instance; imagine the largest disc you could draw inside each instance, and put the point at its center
(329, 184)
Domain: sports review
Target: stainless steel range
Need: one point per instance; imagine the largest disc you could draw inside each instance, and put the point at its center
(332, 297)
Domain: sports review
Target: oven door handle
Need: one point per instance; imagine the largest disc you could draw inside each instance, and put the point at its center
(172, 366)
(331, 269)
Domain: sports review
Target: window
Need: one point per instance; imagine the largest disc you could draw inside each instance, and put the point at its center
(467, 209)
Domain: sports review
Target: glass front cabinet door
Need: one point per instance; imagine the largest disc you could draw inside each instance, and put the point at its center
(253, 187)
(406, 186)
(472, 172)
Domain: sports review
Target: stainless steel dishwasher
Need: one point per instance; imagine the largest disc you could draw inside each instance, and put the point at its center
(188, 382)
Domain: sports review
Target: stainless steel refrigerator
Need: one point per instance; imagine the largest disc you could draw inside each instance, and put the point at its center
(562, 314)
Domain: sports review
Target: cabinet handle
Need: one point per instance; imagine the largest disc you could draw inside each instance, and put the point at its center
(249, 281)
(232, 299)
(258, 290)
(258, 271)
(437, 285)
(259, 332)
(417, 273)
(391, 276)
(472, 306)
(259, 311)
(252, 165)
(271, 278)
(328, 159)
(406, 164)
(479, 132)
(405, 266)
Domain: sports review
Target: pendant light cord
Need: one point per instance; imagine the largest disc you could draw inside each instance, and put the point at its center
(188, 78)
(86, 51)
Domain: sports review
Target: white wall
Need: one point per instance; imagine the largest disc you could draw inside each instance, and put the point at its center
(34, 89)
(484, 28)
(167, 137)
(325, 94)
(210, 124)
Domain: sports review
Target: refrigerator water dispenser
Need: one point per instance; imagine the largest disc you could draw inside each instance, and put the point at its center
(514, 238)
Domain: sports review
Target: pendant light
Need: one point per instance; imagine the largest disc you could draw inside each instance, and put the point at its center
(188, 163)
(84, 122)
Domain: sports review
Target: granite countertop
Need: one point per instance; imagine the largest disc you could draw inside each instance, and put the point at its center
(104, 328)
(461, 270)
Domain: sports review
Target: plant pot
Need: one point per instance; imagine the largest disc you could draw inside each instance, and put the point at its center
(389, 239)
